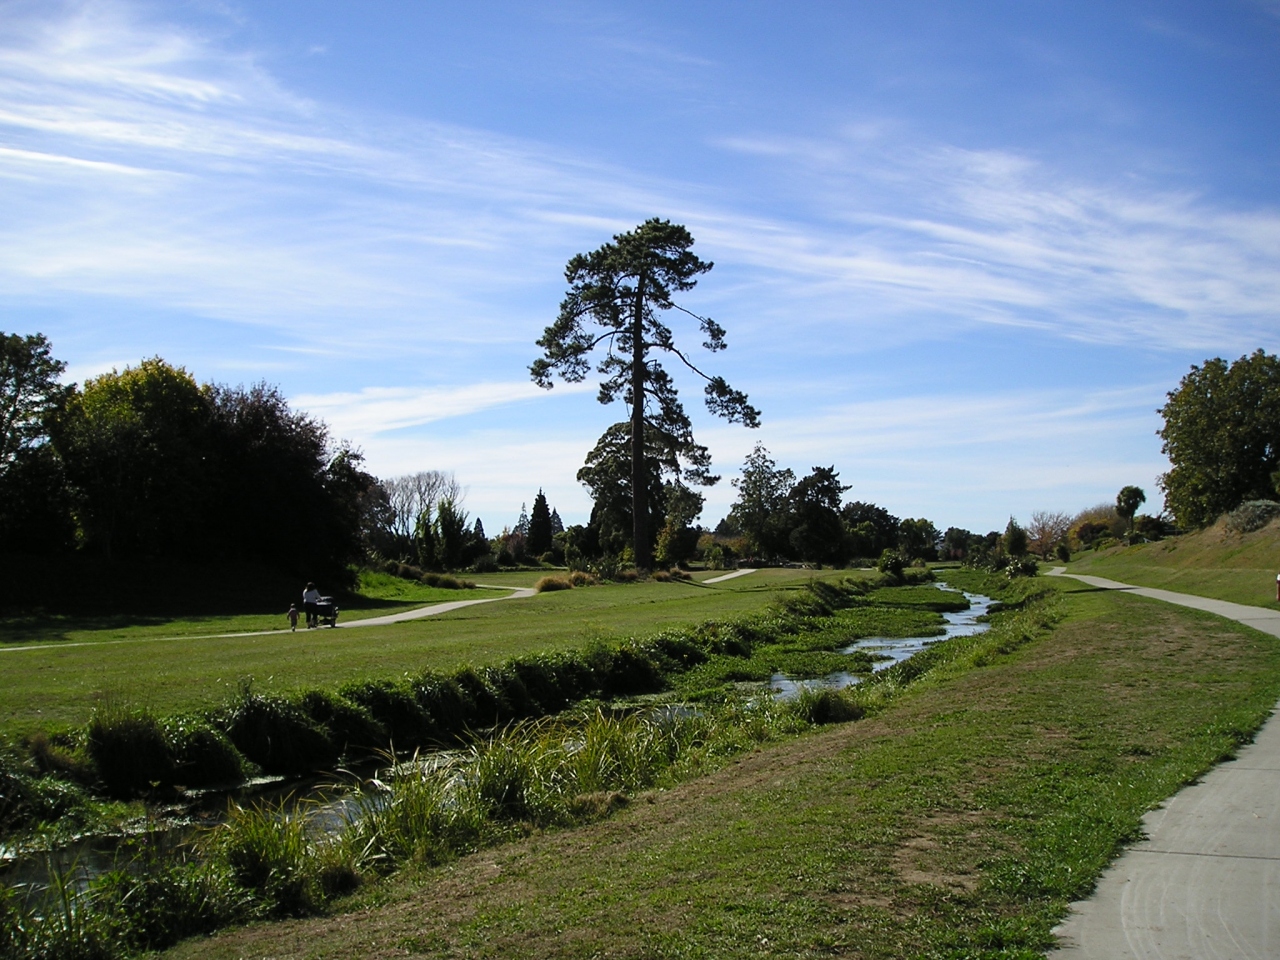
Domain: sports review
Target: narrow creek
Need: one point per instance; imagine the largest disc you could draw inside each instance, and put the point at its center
(169, 827)
(962, 623)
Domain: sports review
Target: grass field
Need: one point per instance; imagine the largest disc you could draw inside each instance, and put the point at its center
(142, 664)
(1212, 563)
(957, 822)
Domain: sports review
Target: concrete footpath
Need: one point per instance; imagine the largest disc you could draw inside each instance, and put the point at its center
(1205, 884)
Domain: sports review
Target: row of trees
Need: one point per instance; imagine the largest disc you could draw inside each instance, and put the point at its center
(781, 517)
(146, 462)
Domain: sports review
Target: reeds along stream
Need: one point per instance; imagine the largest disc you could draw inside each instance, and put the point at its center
(289, 858)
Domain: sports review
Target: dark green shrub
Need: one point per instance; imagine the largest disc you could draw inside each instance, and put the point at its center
(27, 798)
(513, 699)
(553, 682)
(450, 707)
(276, 735)
(394, 706)
(890, 564)
(203, 756)
(349, 726)
(129, 750)
(1252, 515)
(486, 704)
(626, 671)
(678, 652)
(486, 564)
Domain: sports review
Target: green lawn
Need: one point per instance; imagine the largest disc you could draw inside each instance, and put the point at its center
(142, 663)
(1209, 563)
(958, 822)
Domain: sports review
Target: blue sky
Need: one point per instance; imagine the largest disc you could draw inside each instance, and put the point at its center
(962, 249)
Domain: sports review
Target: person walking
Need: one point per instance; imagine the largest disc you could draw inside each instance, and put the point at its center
(311, 604)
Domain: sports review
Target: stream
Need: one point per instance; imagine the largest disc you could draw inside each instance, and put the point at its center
(169, 827)
(963, 623)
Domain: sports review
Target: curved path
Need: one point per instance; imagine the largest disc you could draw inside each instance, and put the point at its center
(517, 593)
(730, 576)
(1205, 884)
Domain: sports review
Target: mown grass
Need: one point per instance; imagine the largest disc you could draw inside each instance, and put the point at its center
(957, 820)
(1214, 563)
(61, 685)
(377, 595)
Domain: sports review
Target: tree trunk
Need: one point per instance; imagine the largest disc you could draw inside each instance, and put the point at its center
(639, 484)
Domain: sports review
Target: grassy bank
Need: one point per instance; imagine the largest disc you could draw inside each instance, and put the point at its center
(60, 685)
(958, 820)
(1214, 563)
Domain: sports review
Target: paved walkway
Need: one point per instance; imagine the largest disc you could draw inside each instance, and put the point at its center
(730, 576)
(517, 593)
(1205, 884)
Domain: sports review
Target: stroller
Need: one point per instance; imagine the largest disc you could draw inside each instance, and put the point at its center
(326, 613)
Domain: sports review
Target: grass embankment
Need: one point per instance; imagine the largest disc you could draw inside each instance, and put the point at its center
(957, 821)
(60, 686)
(1213, 562)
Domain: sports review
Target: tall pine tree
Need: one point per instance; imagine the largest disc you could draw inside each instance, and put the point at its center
(620, 289)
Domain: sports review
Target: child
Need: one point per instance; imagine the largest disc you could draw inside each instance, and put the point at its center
(293, 616)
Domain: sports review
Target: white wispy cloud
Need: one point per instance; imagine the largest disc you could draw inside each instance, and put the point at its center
(378, 410)
(254, 204)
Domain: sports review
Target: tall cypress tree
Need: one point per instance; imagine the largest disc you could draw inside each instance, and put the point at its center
(620, 288)
(540, 526)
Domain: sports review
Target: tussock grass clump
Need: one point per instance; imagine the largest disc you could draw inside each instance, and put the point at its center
(276, 735)
(395, 708)
(129, 750)
(351, 729)
(203, 756)
(266, 851)
(827, 706)
(551, 583)
(580, 578)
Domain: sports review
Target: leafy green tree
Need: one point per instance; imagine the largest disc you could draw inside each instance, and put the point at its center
(760, 512)
(540, 526)
(424, 540)
(1222, 435)
(1127, 502)
(874, 528)
(918, 539)
(134, 448)
(29, 393)
(1015, 539)
(615, 295)
(678, 539)
(608, 476)
(451, 534)
(35, 506)
(817, 532)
